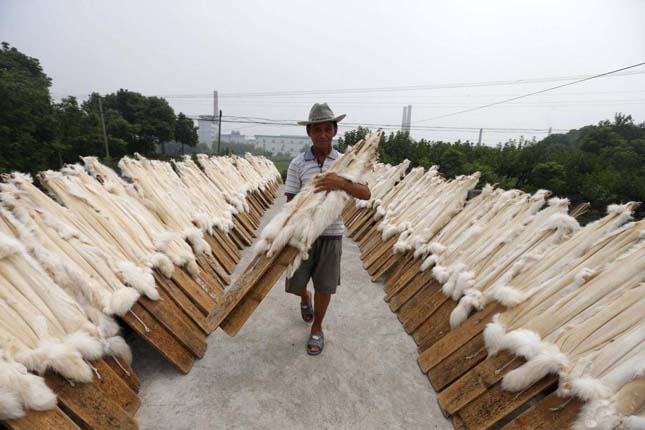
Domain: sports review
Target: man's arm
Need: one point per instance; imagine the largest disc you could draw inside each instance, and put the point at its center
(333, 182)
(293, 182)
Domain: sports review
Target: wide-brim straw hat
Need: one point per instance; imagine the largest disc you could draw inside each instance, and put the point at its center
(321, 112)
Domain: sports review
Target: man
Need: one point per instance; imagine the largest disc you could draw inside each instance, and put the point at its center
(323, 264)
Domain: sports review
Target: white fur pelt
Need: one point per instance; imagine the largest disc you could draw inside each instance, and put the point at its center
(304, 218)
(593, 337)
(20, 391)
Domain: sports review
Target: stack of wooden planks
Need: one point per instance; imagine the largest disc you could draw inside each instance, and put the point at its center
(154, 247)
(503, 256)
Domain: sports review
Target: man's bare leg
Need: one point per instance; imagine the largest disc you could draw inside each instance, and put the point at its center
(321, 302)
(305, 297)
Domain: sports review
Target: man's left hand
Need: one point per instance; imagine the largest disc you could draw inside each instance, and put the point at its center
(330, 182)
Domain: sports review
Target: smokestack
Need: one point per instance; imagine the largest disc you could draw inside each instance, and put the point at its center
(404, 119)
(409, 119)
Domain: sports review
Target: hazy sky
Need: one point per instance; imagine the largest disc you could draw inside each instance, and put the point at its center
(187, 49)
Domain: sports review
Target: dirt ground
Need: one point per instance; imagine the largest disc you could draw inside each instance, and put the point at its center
(366, 378)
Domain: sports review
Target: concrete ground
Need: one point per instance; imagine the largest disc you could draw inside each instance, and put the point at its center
(366, 378)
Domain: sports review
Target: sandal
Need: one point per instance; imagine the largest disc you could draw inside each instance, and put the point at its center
(307, 312)
(315, 340)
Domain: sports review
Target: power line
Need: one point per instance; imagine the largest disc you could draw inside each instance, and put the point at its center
(420, 87)
(546, 103)
(292, 123)
(429, 87)
(612, 72)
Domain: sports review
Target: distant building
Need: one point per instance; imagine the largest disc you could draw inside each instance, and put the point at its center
(207, 129)
(283, 144)
(234, 137)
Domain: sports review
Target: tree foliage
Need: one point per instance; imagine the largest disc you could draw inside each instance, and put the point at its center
(185, 131)
(37, 134)
(27, 137)
(600, 164)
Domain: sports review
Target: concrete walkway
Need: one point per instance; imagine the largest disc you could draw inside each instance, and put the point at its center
(366, 378)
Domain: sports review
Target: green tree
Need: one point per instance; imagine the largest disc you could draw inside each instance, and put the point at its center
(350, 138)
(27, 131)
(151, 119)
(185, 131)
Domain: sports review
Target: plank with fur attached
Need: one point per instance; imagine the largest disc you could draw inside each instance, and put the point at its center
(249, 281)
(243, 310)
(125, 372)
(552, 412)
(88, 404)
(53, 419)
(496, 404)
(160, 338)
(115, 388)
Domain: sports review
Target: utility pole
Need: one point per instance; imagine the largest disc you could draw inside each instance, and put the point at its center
(219, 130)
(107, 148)
(479, 141)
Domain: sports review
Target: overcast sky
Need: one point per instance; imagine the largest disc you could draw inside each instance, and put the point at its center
(188, 49)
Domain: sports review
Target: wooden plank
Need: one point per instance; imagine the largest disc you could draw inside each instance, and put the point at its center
(370, 234)
(435, 326)
(217, 275)
(246, 223)
(246, 220)
(375, 243)
(209, 278)
(194, 291)
(176, 321)
(53, 419)
(115, 388)
(379, 262)
(421, 306)
(221, 253)
(180, 298)
(390, 262)
(244, 283)
(89, 405)
(366, 231)
(403, 269)
(257, 195)
(125, 372)
(241, 313)
(496, 404)
(160, 339)
(251, 213)
(361, 221)
(227, 244)
(433, 354)
(476, 382)
(372, 256)
(552, 412)
(460, 362)
(241, 234)
(350, 215)
(254, 212)
(236, 240)
(405, 293)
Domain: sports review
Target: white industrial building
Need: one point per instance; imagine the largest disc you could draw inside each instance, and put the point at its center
(283, 144)
(207, 129)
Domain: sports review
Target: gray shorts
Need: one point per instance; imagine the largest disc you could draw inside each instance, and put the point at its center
(322, 267)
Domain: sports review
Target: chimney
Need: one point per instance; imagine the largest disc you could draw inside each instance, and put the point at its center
(404, 119)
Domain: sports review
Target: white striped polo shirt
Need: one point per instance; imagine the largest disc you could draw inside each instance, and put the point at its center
(302, 169)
